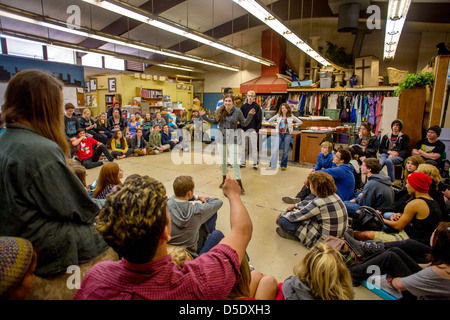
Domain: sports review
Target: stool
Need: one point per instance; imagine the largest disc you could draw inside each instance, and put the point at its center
(398, 171)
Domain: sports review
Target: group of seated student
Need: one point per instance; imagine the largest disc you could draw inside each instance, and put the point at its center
(122, 246)
(136, 137)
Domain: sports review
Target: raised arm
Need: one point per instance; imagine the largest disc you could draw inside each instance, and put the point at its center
(241, 224)
(205, 117)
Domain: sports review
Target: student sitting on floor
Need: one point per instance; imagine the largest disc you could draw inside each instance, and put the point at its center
(108, 178)
(138, 144)
(146, 270)
(321, 275)
(377, 192)
(312, 221)
(193, 223)
(166, 138)
(418, 220)
(253, 285)
(154, 140)
(89, 157)
(119, 146)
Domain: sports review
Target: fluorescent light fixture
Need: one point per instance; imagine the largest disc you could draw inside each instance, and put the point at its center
(262, 13)
(101, 52)
(396, 16)
(83, 32)
(138, 14)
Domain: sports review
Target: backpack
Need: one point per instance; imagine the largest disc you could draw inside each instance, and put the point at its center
(349, 255)
(367, 218)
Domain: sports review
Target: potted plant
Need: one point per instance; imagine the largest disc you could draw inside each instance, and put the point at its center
(415, 80)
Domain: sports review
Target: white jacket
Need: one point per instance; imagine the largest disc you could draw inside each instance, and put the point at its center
(290, 121)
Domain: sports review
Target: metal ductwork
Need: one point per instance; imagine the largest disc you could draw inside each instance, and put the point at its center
(348, 11)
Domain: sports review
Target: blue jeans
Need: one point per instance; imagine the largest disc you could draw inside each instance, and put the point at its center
(351, 208)
(213, 239)
(288, 226)
(282, 138)
(390, 164)
(387, 229)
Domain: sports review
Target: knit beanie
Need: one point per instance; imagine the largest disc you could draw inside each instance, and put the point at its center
(15, 259)
(419, 181)
(400, 123)
(436, 129)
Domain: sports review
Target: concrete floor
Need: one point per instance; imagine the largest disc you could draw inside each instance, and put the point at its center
(268, 252)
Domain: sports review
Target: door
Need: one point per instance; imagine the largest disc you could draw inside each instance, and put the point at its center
(410, 111)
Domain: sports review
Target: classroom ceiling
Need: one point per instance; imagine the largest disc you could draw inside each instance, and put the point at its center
(221, 19)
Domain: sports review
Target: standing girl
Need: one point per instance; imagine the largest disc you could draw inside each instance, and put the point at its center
(284, 128)
(227, 118)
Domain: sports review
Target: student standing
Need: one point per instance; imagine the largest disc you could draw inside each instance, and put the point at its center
(227, 118)
(251, 130)
(284, 128)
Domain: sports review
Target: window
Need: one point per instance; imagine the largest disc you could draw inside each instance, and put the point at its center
(92, 60)
(61, 55)
(114, 63)
(24, 48)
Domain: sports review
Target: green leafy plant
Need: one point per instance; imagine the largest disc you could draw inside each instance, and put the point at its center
(415, 80)
(338, 55)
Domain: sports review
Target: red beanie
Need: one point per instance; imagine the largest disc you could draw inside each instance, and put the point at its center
(419, 181)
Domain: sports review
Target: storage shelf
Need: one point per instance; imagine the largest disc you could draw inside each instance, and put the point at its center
(300, 89)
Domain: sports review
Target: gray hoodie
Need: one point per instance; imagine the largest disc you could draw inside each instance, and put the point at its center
(294, 289)
(377, 192)
(187, 218)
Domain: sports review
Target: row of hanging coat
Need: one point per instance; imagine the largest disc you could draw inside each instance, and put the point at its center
(355, 107)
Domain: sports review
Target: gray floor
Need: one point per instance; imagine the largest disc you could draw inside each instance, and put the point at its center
(268, 252)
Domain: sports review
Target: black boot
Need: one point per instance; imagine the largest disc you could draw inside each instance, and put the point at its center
(240, 184)
(364, 248)
(223, 181)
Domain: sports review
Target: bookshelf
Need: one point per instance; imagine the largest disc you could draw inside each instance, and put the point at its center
(109, 98)
(150, 95)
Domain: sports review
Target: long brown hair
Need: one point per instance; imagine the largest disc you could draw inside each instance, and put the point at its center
(36, 96)
(122, 140)
(289, 110)
(109, 174)
(222, 112)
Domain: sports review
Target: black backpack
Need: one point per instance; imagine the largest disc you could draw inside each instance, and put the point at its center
(367, 218)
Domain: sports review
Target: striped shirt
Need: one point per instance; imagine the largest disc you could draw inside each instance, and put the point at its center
(318, 218)
(208, 277)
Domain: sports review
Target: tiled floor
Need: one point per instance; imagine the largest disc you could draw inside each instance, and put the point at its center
(268, 252)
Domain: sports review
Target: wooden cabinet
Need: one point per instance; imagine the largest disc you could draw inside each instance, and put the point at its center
(310, 146)
(411, 111)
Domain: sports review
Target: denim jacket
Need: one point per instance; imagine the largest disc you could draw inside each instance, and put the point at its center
(45, 203)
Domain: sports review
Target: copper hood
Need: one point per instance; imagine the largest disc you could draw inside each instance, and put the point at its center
(273, 47)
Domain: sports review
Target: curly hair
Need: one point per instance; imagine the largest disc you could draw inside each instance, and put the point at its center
(325, 273)
(134, 217)
(288, 108)
(322, 183)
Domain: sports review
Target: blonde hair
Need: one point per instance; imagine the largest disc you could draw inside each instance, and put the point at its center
(179, 255)
(430, 171)
(324, 272)
(241, 288)
(327, 144)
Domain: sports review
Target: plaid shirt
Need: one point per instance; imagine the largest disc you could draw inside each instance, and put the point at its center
(318, 218)
(208, 277)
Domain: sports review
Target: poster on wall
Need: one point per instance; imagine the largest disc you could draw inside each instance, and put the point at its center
(93, 84)
(94, 101)
(111, 84)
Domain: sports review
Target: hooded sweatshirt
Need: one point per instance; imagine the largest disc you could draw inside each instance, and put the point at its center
(344, 180)
(377, 192)
(186, 219)
(294, 289)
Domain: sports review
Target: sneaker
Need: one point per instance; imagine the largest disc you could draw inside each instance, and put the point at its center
(291, 200)
(356, 245)
(287, 235)
(283, 169)
(242, 165)
(255, 167)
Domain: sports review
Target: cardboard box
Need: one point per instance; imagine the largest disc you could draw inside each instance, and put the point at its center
(145, 108)
(367, 69)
